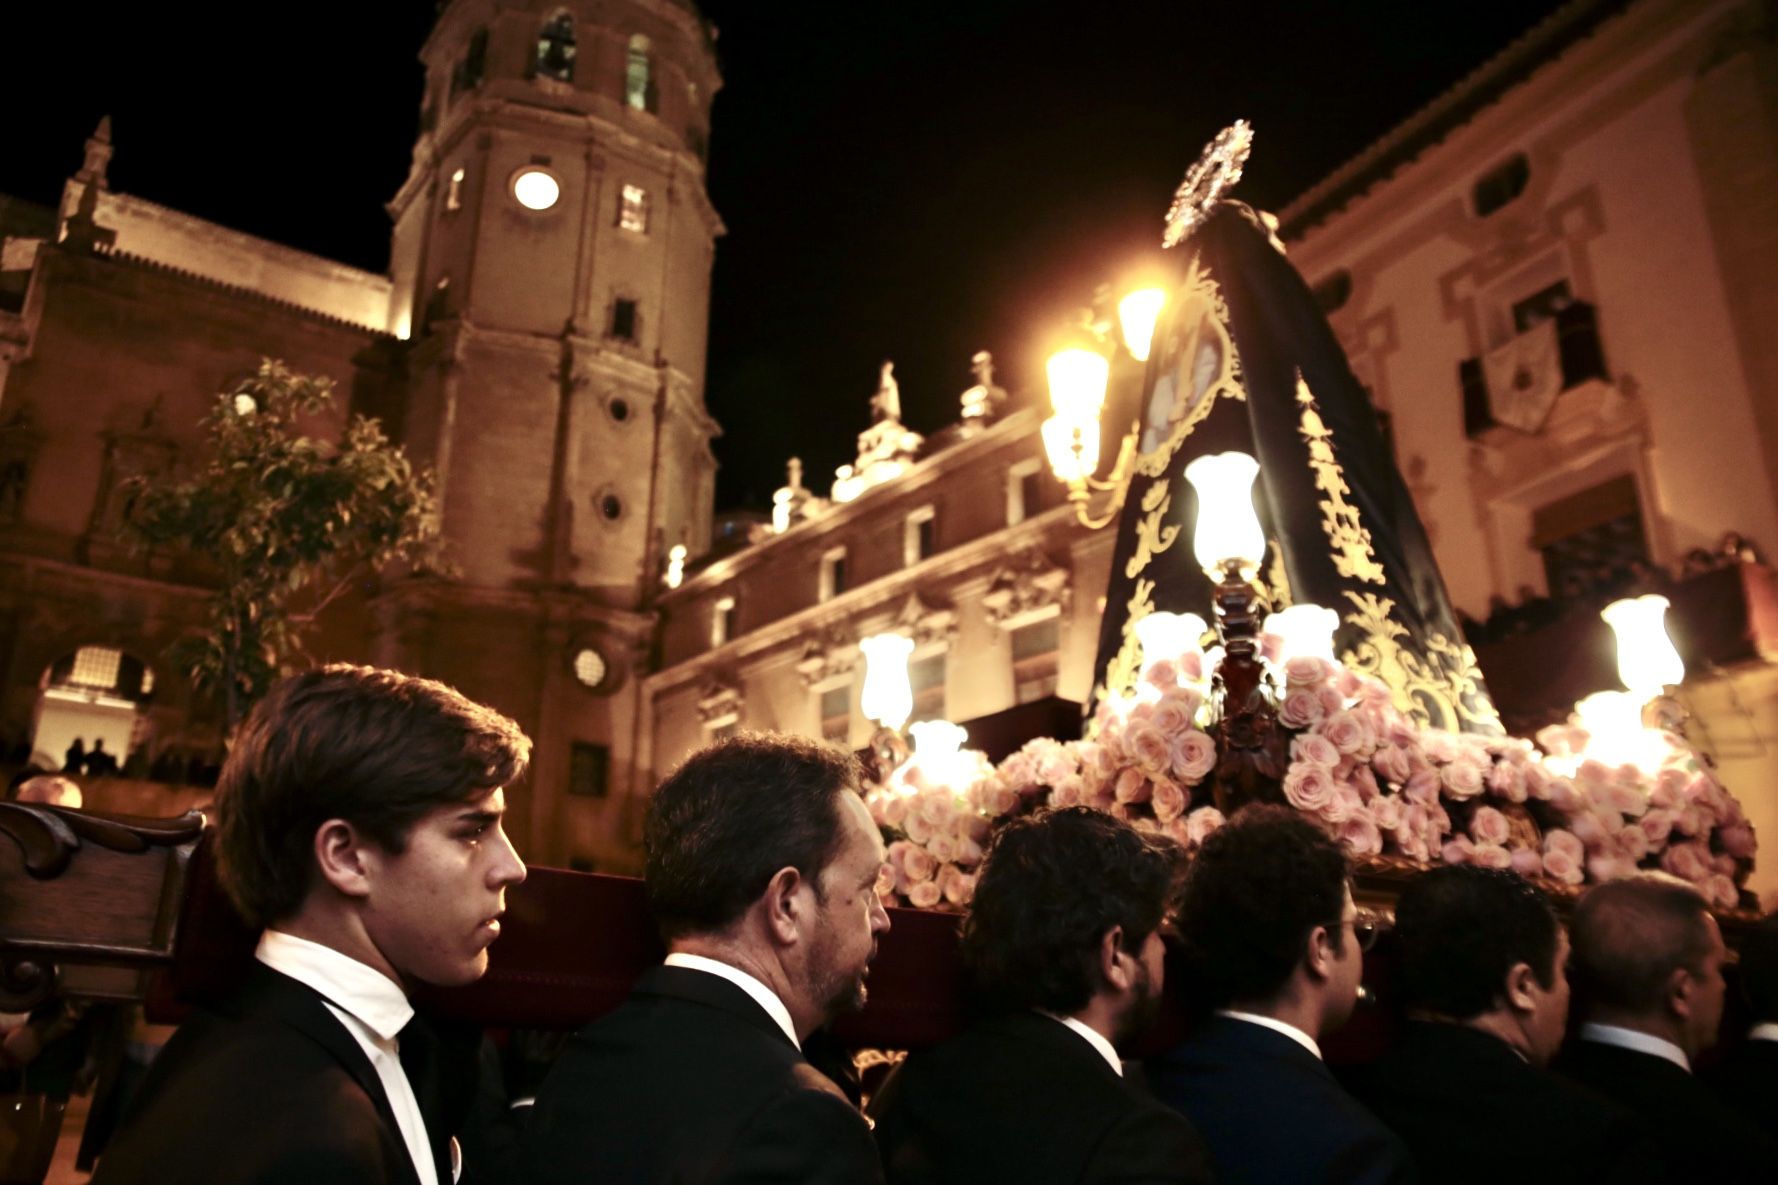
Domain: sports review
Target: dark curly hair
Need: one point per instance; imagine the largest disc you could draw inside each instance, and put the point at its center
(1759, 968)
(1460, 929)
(1255, 890)
(1052, 886)
(723, 824)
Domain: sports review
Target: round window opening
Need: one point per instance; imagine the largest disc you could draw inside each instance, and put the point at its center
(535, 188)
(589, 667)
(611, 506)
(620, 409)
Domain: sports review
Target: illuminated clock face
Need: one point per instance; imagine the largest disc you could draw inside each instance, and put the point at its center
(589, 667)
(535, 189)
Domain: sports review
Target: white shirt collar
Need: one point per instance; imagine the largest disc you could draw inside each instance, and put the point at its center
(1094, 1038)
(366, 993)
(762, 995)
(1764, 1031)
(1278, 1026)
(1637, 1041)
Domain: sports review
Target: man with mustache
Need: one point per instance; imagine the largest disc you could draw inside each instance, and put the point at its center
(358, 825)
(1063, 950)
(761, 864)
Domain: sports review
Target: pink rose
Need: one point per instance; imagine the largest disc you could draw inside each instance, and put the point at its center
(1193, 756)
(1348, 733)
(1561, 865)
(1300, 709)
(1564, 795)
(1627, 800)
(1422, 788)
(1307, 671)
(1361, 836)
(1162, 673)
(995, 798)
(1366, 781)
(1669, 789)
(1722, 862)
(919, 864)
(1169, 800)
(1566, 842)
(1375, 693)
(1132, 787)
(969, 851)
(1462, 779)
(1314, 749)
(917, 828)
(1344, 805)
(943, 847)
(1170, 717)
(1391, 763)
(1309, 788)
(1460, 849)
(1720, 891)
(1201, 824)
(924, 895)
(1527, 862)
(1507, 780)
(1019, 771)
(1139, 713)
(1738, 841)
(1330, 700)
(957, 886)
(1386, 811)
(888, 808)
(1656, 826)
(1176, 830)
(1589, 830)
(1053, 766)
(1489, 826)
(1687, 861)
(1349, 683)
(1692, 821)
(1068, 792)
(1148, 746)
(1602, 867)
(1191, 666)
(1489, 855)
(1632, 844)
(1439, 746)
(1537, 782)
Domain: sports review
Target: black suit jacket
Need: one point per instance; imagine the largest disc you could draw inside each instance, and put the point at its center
(1472, 1110)
(268, 1088)
(1021, 1098)
(689, 1082)
(1747, 1082)
(1272, 1113)
(1700, 1138)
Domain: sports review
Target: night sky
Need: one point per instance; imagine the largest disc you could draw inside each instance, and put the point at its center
(913, 180)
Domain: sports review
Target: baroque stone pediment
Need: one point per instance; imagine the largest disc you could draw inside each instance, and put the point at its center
(1027, 584)
(925, 623)
(719, 700)
(830, 654)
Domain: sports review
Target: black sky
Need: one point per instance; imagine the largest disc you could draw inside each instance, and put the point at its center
(912, 180)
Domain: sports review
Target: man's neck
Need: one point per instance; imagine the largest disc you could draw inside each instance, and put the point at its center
(1498, 1025)
(1101, 1016)
(768, 971)
(1654, 1026)
(1298, 1012)
(341, 931)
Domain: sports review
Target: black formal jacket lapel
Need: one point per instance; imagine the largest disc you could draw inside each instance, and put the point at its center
(712, 991)
(272, 994)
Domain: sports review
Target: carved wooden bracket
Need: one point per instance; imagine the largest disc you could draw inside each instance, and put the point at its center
(48, 836)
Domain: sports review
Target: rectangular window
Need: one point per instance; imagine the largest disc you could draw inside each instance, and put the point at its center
(589, 770)
(1022, 491)
(1592, 542)
(96, 666)
(833, 574)
(1035, 650)
(632, 209)
(722, 621)
(722, 730)
(623, 319)
(836, 713)
(919, 536)
(927, 678)
(454, 194)
(1541, 306)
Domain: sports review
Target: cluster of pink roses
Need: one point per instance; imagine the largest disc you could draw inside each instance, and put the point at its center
(1376, 779)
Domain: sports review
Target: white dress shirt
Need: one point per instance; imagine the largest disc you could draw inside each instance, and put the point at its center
(373, 1008)
(1094, 1038)
(1278, 1026)
(1638, 1041)
(762, 995)
(1766, 1031)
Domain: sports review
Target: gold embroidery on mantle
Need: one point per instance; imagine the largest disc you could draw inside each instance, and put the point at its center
(1126, 665)
(1198, 297)
(1441, 689)
(1351, 542)
(1151, 537)
(1277, 581)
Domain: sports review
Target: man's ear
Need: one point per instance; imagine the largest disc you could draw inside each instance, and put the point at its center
(1521, 981)
(345, 858)
(1112, 969)
(785, 906)
(1320, 953)
(1681, 985)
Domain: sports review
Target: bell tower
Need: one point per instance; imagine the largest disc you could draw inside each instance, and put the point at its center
(551, 280)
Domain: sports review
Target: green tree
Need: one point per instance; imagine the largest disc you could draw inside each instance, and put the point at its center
(287, 521)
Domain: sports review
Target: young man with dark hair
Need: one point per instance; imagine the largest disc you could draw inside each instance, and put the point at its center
(1648, 960)
(1747, 1079)
(1273, 940)
(1482, 967)
(1063, 950)
(761, 863)
(358, 825)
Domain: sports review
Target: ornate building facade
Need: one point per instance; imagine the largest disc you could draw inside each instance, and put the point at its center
(539, 340)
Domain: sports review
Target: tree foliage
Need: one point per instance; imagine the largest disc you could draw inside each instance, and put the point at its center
(287, 520)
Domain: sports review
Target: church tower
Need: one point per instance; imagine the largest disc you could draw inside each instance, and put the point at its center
(551, 272)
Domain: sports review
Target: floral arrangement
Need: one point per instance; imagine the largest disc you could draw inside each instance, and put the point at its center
(1395, 793)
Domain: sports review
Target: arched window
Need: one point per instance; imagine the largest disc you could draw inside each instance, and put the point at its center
(555, 48)
(469, 71)
(638, 81)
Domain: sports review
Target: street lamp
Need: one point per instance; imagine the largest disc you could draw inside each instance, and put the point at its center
(1646, 660)
(1137, 314)
(888, 697)
(1228, 539)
